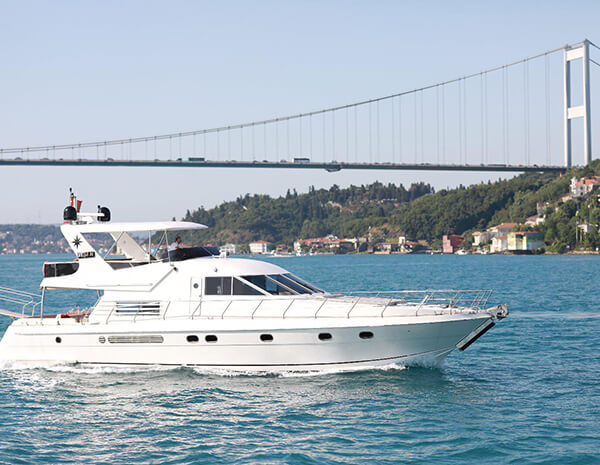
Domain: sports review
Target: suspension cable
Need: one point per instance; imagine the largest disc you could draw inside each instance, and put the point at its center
(274, 120)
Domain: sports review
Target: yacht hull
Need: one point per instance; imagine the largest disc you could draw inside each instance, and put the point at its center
(243, 345)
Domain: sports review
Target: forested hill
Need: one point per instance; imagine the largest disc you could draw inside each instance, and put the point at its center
(384, 211)
(343, 212)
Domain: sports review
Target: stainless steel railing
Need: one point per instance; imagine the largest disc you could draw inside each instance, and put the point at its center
(28, 302)
(445, 300)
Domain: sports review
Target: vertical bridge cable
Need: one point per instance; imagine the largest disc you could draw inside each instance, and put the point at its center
(503, 114)
(460, 133)
(299, 138)
(526, 110)
(347, 136)
(400, 129)
(422, 131)
(370, 137)
(443, 123)
(415, 127)
(393, 131)
(481, 118)
(437, 122)
(356, 134)
(547, 108)
(465, 119)
(507, 118)
(378, 135)
(333, 157)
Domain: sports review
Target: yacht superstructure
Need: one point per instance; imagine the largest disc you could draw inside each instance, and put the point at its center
(160, 304)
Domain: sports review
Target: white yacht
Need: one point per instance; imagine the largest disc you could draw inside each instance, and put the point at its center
(194, 307)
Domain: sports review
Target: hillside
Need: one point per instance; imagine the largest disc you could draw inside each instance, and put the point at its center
(386, 211)
(343, 212)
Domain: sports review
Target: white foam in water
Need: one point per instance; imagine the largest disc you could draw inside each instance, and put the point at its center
(80, 368)
(292, 373)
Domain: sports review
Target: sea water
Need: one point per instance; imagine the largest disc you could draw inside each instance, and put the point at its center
(526, 392)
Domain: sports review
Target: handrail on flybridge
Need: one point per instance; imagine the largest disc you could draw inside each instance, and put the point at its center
(27, 301)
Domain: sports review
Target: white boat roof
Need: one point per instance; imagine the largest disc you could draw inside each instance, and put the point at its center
(137, 226)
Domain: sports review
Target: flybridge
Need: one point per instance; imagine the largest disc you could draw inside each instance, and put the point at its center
(81, 231)
(86, 224)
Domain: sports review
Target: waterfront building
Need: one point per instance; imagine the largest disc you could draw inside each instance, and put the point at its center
(501, 229)
(451, 243)
(499, 244)
(260, 247)
(481, 237)
(230, 249)
(525, 240)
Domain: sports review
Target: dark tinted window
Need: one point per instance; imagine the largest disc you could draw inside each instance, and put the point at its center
(266, 337)
(192, 338)
(293, 285)
(324, 336)
(272, 287)
(240, 288)
(218, 286)
(302, 282)
(365, 335)
(210, 338)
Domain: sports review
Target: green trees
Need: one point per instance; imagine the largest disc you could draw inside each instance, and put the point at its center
(343, 212)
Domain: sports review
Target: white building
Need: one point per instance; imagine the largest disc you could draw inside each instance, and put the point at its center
(499, 244)
(480, 237)
(230, 249)
(583, 186)
(259, 247)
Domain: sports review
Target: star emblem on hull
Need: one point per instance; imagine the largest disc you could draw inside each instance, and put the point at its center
(76, 242)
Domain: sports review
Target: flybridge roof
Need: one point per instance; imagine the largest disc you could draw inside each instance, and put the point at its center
(136, 227)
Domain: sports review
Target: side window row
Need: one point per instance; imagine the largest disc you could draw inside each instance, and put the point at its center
(267, 337)
(225, 285)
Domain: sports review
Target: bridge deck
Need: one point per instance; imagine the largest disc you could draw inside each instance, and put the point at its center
(328, 166)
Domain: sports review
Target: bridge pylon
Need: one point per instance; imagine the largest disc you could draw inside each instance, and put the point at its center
(571, 53)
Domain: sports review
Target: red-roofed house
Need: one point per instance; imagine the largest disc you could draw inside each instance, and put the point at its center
(583, 186)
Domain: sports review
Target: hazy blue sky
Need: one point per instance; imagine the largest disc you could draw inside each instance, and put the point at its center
(79, 71)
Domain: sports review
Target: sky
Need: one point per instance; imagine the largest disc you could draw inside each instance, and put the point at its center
(80, 71)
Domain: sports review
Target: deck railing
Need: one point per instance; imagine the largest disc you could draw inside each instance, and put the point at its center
(450, 301)
(27, 302)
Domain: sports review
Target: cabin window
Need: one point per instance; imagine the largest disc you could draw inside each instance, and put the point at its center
(266, 337)
(101, 339)
(325, 336)
(365, 335)
(240, 288)
(210, 338)
(58, 339)
(303, 283)
(270, 285)
(192, 338)
(217, 286)
(290, 284)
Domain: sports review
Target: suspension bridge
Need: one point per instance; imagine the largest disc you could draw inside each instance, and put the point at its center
(528, 115)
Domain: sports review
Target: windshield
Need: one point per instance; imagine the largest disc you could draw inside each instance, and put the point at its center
(279, 284)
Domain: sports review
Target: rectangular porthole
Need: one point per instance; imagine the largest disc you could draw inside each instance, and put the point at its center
(365, 335)
(266, 337)
(210, 338)
(325, 336)
(192, 338)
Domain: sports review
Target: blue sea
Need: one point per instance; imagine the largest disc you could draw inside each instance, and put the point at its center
(528, 392)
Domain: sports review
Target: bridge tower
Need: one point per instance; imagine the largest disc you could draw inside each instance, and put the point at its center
(579, 51)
